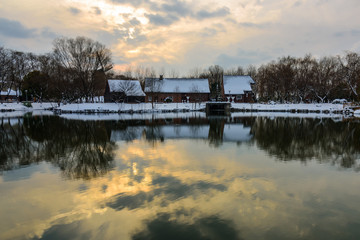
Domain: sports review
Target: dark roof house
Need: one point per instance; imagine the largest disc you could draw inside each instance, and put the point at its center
(118, 90)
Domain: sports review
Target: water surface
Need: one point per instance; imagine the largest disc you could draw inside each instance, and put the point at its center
(187, 177)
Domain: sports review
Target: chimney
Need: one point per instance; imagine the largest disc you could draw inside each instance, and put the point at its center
(161, 77)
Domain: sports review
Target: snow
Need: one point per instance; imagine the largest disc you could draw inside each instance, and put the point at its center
(135, 116)
(357, 113)
(237, 84)
(125, 107)
(301, 107)
(145, 110)
(180, 85)
(18, 106)
(129, 87)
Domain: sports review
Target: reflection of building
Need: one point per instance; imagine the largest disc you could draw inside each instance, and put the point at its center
(128, 91)
(215, 130)
(238, 88)
(176, 90)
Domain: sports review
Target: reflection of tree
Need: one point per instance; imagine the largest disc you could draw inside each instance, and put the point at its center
(305, 139)
(216, 131)
(15, 145)
(80, 149)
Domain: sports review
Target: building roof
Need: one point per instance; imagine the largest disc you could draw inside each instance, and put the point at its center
(128, 87)
(177, 85)
(237, 84)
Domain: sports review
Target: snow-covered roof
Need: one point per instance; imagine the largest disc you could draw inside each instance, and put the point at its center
(129, 87)
(9, 92)
(237, 84)
(177, 85)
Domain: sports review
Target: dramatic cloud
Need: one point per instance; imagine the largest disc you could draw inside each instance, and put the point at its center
(15, 29)
(97, 10)
(221, 12)
(74, 11)
(184, 34)
(159, 20)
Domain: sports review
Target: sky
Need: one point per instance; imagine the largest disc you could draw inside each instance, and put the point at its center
(181, 35)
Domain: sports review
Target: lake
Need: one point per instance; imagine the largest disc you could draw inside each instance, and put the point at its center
(179, 176)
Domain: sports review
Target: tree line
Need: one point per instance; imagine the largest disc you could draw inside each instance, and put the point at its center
(77, 69)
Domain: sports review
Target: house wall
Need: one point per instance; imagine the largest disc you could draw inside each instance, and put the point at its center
(107, 94)
(177, 97)
(248, 97)
(9, 98)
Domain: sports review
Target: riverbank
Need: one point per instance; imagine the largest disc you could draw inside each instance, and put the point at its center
(323, 108)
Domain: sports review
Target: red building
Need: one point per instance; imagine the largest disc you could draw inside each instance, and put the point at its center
(238, 89)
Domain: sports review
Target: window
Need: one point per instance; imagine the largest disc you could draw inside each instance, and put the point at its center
(168, 99)
(238, 97)
(149, 98)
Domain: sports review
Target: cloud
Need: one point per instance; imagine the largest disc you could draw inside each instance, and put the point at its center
(134, 22)
(242, 58)
(97, 10)
(353, 33)
(47, 33)
(74, 11)
(297, 3)
(159, 20)
(135, 3)
(212, 31)
(220, 12)
(254, 25)
(178, 7)
(15, 29)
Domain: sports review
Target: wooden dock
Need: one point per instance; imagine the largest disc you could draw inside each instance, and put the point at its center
(218, 108)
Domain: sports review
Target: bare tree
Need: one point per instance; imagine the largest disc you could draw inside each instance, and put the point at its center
(350, 72)
(173, 73)
(305, 74)
(5, 66)
(152, 87)
(235, 71)
(326, 77)
(216, 81)
(128, 72)
(195, 72)
(124, 89)
(84, 57)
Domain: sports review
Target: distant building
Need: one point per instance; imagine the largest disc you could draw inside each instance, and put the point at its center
(9, 95)
(238, 89)
(128, 91)
(176, 90)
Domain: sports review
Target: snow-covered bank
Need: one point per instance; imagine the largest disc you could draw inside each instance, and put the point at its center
(325, 108)
(301, 107)
(4, 107)
(125, 108)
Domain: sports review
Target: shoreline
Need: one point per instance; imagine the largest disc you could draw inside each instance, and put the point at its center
(89, 108)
